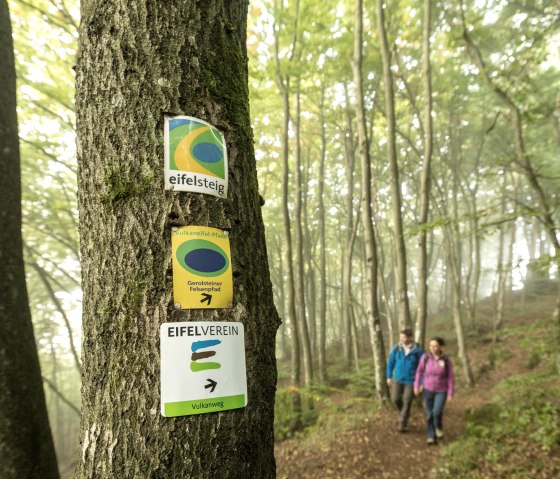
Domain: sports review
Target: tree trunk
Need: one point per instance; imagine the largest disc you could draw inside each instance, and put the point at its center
(367, 217)
(135, 62)
(400, 248)
(26, 445)
(475, 268)
(349, 240)
(323, 245)
(284, 88)
(501, 270)
(453, 243)
(300, 266)
(422, 310)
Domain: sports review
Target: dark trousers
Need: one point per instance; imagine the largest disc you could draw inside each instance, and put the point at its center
(434, 403)
(402, 396)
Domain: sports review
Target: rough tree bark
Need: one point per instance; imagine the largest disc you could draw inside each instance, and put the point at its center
(136, 61)
(26, 445)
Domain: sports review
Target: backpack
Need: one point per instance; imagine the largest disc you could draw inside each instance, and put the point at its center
(445, 364)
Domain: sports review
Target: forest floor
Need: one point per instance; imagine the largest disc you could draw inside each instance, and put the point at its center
(378, 450)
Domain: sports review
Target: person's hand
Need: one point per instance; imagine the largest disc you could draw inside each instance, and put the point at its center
(389, 382)
(450, 397)
(419, 390)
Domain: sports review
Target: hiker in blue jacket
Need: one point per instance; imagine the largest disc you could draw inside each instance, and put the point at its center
(401, 370)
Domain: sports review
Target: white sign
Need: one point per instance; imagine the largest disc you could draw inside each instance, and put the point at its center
(195, 156)
(202, 367)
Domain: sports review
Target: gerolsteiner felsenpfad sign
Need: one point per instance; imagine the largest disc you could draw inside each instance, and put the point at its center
(202, 276)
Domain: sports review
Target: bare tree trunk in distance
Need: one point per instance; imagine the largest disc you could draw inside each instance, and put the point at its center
(349, 241)
(500, 296)
(323, 246)
(400, 248)
(284, 87)
(135, 62)
(300, 266)
(453, 242)
(422, 311)
(372, 307)
(26, 444)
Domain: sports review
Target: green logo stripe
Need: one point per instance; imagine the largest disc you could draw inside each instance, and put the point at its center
(201, 406)
(196, 367)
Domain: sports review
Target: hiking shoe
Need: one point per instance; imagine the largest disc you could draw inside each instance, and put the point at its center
(431, 441)
(439, 433)
(403, 428)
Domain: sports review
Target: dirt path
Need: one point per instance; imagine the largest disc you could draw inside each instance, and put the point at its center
(379, 450)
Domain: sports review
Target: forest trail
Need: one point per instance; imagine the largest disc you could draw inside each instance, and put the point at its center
(378, 450)
(375, 451)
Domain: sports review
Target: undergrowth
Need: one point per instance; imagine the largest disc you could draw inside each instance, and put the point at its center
(516, 434)
(326, 409)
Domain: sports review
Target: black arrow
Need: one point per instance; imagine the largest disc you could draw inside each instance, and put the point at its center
(211, 384)
(206, 297)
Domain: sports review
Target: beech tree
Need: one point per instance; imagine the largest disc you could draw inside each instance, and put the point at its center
(136, 61)
(372, 306)
(26, 446)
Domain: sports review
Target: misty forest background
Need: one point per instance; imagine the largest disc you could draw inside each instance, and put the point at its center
(464, 187)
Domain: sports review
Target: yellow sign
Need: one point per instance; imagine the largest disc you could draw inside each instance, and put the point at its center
(201, 268)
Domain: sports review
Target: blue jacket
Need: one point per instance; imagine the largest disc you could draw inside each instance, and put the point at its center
(404, 366)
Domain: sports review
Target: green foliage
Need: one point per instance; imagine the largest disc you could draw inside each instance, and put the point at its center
(326, 409)
(294, 410)
(498, 356)
(521, 420)
(356, 382)
(509, 436)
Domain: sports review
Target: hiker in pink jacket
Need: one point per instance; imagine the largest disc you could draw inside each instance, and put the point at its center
(435, 380)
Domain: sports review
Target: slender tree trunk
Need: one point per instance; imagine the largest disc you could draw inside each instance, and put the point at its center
(26, 445)
(355, 341)
(501, 270)
(458, 321)
(367, 216)
(422, 310)
(136, 61)
(453, 243)
(44, 277)
(349, 239)
(300, 269)
(400, 248)
(290, 290)
(281, 301)
(284, 88)
(474, 255)
(323, 246)
(310, 288)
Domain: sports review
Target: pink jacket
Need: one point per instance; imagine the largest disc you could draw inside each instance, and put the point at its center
(435, 375)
